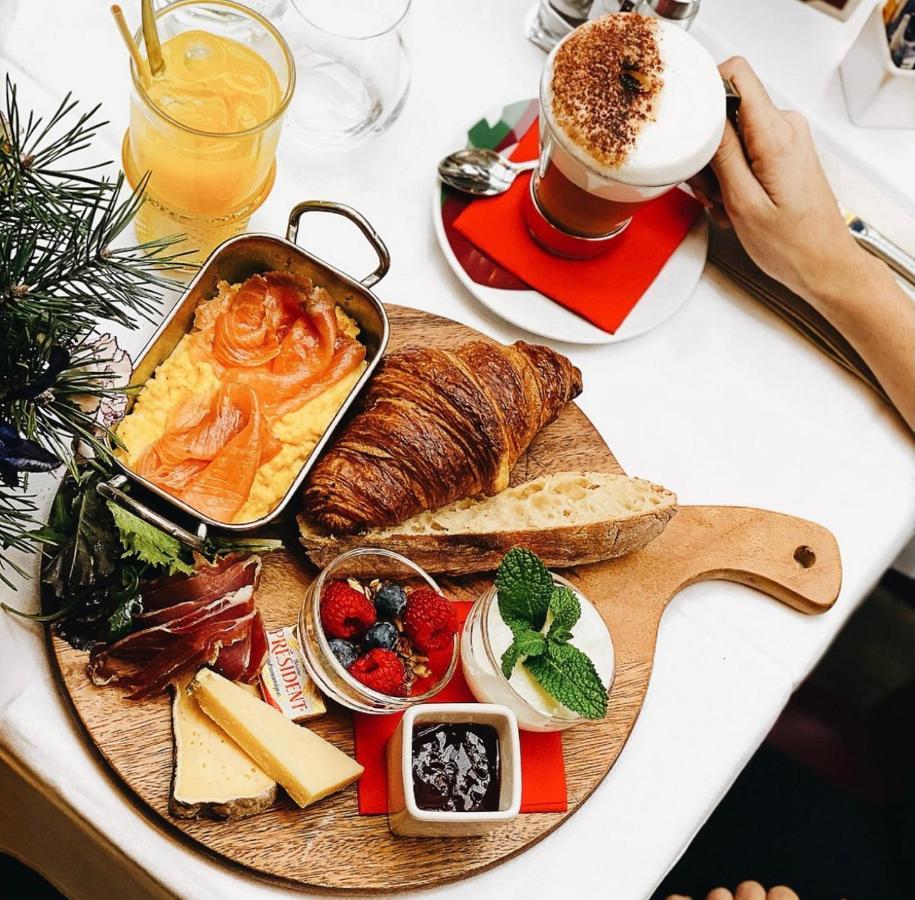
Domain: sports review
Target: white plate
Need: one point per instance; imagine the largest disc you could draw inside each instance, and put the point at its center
(538, 314)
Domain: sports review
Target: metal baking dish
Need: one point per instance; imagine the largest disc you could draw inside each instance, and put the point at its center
(235, 260)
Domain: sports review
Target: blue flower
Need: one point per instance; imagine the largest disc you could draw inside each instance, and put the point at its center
(19, 454)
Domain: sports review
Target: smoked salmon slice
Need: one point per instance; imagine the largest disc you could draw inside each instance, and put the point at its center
(210, 455)
(347, 358)
(250, 330)
(304, 355)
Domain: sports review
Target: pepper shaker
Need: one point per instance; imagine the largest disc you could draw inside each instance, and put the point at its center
(551, 20)
(679, 12)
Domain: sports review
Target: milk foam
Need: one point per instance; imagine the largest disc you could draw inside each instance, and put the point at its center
(689, 116)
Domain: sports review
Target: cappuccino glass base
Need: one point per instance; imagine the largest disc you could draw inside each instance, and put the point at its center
(555, 239)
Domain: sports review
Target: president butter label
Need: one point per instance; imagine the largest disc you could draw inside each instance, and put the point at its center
(284, 682)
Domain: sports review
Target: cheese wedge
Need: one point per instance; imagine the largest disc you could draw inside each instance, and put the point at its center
(306, 765)
(213, 776)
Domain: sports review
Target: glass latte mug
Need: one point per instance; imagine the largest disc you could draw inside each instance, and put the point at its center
(630, 107)
(206, 128)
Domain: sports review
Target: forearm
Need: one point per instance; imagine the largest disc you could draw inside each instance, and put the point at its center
(862, 299)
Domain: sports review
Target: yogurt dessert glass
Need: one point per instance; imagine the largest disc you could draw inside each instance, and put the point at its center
(630, 106)
(486, 637)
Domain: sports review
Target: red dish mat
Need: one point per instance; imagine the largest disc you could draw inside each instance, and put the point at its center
(543, 774)
(602, 290)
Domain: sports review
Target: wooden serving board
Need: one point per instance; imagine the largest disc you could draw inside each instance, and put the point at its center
(329, 845)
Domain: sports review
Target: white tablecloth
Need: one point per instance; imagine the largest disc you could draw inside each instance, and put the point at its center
(724, 403)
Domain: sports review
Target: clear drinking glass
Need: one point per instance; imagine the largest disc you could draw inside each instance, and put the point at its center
(210, 157)
(353, 69)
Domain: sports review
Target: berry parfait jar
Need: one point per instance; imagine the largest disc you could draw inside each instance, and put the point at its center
(377, 644)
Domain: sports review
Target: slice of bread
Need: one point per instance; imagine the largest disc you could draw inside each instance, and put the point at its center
(568, 519)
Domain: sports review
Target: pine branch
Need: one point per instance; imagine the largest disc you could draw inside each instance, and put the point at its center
(16, 520)
(60, 277)
(68, 268)
(27, 165)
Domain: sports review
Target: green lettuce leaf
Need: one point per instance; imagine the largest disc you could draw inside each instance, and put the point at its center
(148, 543)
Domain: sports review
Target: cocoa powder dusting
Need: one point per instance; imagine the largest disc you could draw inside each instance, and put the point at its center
(606, 79)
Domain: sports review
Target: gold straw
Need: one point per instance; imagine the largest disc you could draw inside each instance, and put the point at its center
(132, 49)
(151, 38)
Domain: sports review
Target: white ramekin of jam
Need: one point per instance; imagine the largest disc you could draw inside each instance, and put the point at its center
(454, 769)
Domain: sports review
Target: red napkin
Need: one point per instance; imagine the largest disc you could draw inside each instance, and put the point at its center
(543, 774)
(602, 290)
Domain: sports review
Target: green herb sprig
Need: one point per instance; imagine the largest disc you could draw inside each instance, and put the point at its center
(526, 596)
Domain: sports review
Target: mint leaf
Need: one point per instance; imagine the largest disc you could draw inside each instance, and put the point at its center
(148, 543)
(512, 654)
(565, 608)
(531, 643)
(558, 634)
(524, 587)
(526, 643)
(569, 676)
(509, 658)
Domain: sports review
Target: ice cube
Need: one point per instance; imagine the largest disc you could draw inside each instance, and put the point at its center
(196, 50)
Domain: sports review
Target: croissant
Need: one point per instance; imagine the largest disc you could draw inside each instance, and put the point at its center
(437, 426)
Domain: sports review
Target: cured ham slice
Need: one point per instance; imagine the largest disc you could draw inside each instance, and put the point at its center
(242, 660)
(259, 650)
(229, 573)
(208, 618)
(187, 654)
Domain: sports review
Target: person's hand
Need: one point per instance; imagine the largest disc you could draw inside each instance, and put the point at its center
(769, 185)
(772, 190)
(747, 890)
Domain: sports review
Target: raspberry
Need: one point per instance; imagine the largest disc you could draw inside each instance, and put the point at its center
(381, 670)
(345, 613)
(429, 621)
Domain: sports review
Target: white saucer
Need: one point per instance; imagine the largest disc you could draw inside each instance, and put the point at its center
(538, 314)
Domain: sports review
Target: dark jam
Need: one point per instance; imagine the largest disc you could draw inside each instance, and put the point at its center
(456, 768)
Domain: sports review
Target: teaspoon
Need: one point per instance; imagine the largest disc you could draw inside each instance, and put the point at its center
(481, 172)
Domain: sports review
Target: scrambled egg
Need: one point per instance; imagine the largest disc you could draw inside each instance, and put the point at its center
(298, 431)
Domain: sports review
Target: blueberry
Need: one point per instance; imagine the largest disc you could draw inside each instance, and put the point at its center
(390, 601)
(381, 634)
(345, 652)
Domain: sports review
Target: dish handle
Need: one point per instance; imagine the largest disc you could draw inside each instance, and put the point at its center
(340, 209)
(111, 490)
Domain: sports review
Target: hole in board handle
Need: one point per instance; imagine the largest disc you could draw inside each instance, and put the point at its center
(804, 556)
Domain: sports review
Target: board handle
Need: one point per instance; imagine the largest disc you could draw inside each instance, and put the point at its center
(793, 560)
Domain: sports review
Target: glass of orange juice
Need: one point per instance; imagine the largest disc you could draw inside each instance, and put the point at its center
(207, 126)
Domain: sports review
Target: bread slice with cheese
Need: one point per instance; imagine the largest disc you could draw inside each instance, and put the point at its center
(567, 519)
(308, 767)
(213, 777)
